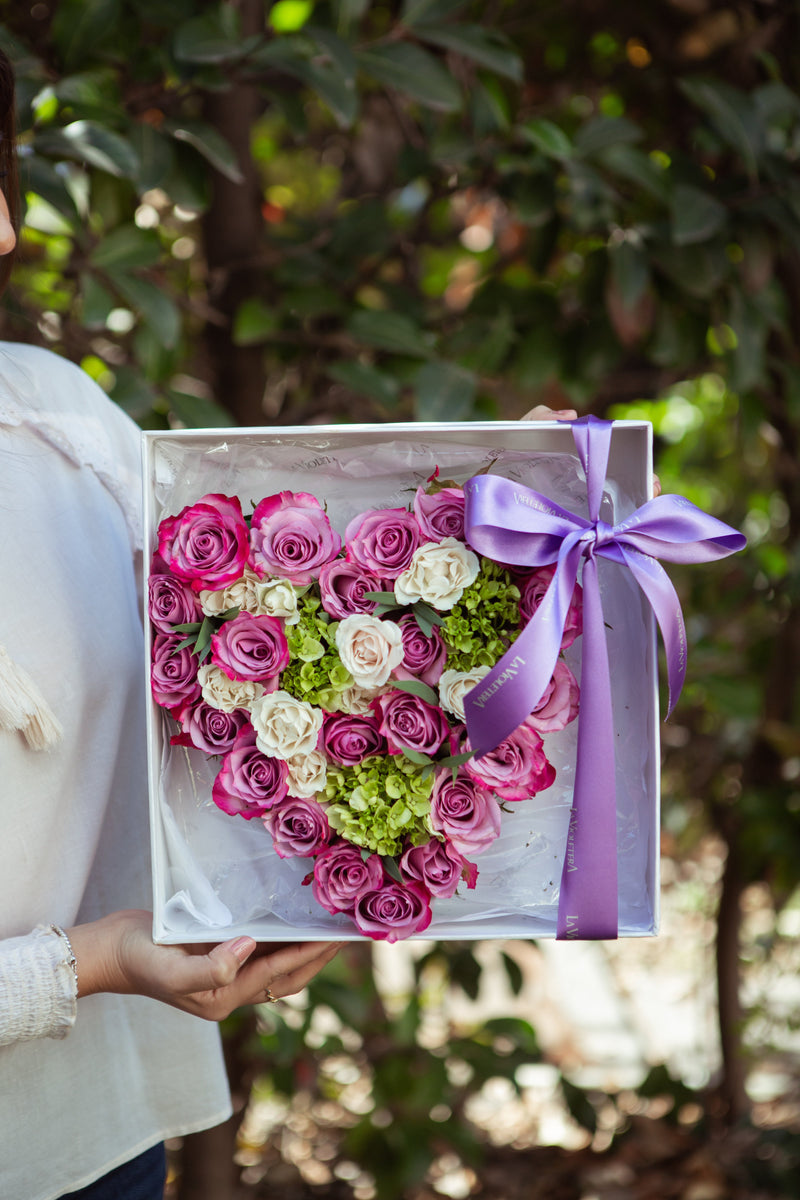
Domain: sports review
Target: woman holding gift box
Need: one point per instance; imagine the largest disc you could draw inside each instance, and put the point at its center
(101, 1056)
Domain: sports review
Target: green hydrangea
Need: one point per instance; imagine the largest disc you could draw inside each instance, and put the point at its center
(380, 804)
(315, 672)
(482, 625)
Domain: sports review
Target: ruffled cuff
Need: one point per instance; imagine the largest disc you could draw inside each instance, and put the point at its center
(38, 987)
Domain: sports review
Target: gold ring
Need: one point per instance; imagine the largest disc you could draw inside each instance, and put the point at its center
(268, 996)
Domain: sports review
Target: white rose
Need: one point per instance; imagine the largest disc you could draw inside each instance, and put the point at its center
(356, 700)
(242, 594)
(369, 648)
(307, 774)
(285, 727)
(224, 693)
(278, 598)
(454, 685)
(438, 573)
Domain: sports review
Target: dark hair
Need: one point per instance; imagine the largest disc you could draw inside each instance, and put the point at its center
(8, 155)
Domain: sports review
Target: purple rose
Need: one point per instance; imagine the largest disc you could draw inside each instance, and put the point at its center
(393, 911)
(440, 515)
(438, 866)
(249, 783)
(464, 812)
(171, 603)
(173, 672)
(299, 828)
(383, 540)
(342, 585)
(559, 703)
(249, 647)
(207, 544)
(207, 728)
(341, 875)
(532, 590)
(348, 739)
(292, 537)
(516, 769)
(423, 657)
(408, 722)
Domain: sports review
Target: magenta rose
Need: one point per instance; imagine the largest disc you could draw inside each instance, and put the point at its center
(341, 875)
(423, 657)
(171, 602)
(383, 540)
(532, 590)
(464, 812)
(408, 722)
(516, 769)
(438, 866)
(348, 739)
(393, 911)
(292, 537)
(207, 545)
(299, 828)
(249, 783)
(559, 704)
(342, 585)
(442, 514)
(249, 647)
(207, 728)
(173, 672)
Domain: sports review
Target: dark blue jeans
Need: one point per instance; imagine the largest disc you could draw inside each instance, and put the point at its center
(140, 1179)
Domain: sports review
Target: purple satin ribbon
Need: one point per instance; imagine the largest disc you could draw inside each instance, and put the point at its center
(515, 525)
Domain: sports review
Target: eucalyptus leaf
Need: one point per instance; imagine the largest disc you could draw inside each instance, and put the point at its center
(414, 756)
(189, 627)
(417, 688)
(391, 868)
(387, 598)
(456, 760)
(430, 614)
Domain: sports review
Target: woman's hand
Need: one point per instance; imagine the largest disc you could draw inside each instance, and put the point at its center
(542, 413)
(117, 954)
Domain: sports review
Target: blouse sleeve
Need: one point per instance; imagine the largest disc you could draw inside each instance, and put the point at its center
(38, 988)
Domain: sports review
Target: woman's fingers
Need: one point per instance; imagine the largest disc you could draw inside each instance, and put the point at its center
(542, 413)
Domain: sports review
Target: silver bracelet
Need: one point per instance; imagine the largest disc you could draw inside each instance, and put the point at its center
(72, 961)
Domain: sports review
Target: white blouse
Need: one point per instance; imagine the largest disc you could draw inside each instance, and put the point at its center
(74, 843)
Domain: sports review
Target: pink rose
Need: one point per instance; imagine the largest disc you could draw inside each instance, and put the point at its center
(516, 769)
(383, 540)
(393, 911)
(438, 866)
(299, 828)
(348, 739)
(171, 602)
(248, 647)
(423, 657)
(207, 544)
(532, 589)
(559, 704)
(408, 722)
(249, 782)
(442, 514)
(292, 537)
(342, 585)
(207, 728)
(173, 672)
(464, 812)
(341, 875)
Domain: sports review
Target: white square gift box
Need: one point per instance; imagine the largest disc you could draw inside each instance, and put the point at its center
(217, 876)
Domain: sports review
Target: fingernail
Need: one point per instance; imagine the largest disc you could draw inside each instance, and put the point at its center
(243, 947)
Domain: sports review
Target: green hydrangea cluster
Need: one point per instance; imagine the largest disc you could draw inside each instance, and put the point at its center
(315, 672)
(380, 804)
(482, 625)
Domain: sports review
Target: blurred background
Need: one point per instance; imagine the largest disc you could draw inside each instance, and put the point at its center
(247, 213)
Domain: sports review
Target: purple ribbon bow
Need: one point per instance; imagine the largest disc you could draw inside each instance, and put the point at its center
(515, 525)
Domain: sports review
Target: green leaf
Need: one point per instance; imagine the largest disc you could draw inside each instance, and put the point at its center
(79, 25)
(254, 322)
(733, 115)
(348, 12)
(91, 143)
(199, 412)
(414, 756)
(478, 44)
(389, 331)
(445, 391)
(214, 37)
(387, 598)
(96, 302)
(637, 168)
(414, 72)
(125, 248)
(189, 627)
(41, 177)
(548, 137)
(430, 614)
(630, 271)
(159, 312)
(513, 973)
(696, 215)
(601, 132)
(417, 688)
(366, 381)
(391, 868)
(155, 153)
(287, 16)
(210, 143)
(456, 760)
(414, 11)
(203, 643)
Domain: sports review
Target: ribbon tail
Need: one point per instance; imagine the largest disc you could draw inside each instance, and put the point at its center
(663, 599)
(588, 904)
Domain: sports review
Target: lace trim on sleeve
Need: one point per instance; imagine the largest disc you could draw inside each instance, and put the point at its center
(38, 988)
